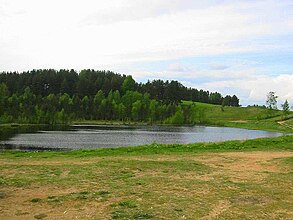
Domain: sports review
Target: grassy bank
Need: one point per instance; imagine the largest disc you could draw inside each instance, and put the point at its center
(105, 122)
(261, 144)
(229, 180)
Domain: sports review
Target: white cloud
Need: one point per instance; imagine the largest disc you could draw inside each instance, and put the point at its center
(245, 79)
(218, 66)
(255, 89)
(91, 34)
(209, 72)
(121, 33)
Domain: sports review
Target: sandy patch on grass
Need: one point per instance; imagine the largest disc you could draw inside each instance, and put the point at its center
(49, 162)
(219, 208)
(246, 166)
(19, 204)
(250, 167)
(281, 122)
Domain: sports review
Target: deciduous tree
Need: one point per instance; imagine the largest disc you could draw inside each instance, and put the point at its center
(272, 100)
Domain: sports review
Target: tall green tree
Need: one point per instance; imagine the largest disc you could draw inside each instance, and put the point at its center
(226, 101)
(3, 97)
(286, 107)
(13, 104)
(97, 102)
(234, 101)
(272, 100)
(121, 112)
(128, 84)
(65, 102)
(117, 96)
(51, 108)
(153, 110)
(178, 117)
(85, 104)
(136, 110)
(28, 105)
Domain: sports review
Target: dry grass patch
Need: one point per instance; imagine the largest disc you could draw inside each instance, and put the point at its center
(232, 185)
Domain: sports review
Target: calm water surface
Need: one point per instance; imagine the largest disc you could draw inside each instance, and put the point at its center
(89, 137)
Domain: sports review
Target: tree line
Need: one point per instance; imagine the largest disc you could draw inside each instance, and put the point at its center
(89, 82)
(51, 97)
(63, 108)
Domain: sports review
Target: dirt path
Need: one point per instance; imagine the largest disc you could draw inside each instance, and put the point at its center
(239, 121)
(283, 123)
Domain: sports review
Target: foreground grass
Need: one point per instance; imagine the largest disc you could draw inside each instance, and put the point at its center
(229, 180)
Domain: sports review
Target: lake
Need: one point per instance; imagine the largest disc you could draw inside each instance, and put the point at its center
(106, 136)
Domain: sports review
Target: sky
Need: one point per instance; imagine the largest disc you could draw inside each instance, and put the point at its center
(233, 47)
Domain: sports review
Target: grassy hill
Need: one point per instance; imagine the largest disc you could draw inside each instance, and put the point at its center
(289, 122)
(252, 117)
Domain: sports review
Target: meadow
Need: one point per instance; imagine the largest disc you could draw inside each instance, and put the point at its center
(228, 180)
(251, 117)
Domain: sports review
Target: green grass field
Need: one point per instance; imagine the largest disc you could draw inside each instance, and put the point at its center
(229, 180)
(244, 117)
(289, 122)
(215, 113)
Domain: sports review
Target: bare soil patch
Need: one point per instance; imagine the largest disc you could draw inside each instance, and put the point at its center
(222, 206)
(240, 121)
(218, 193)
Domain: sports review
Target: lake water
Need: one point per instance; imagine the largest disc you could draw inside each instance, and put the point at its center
(102, 136)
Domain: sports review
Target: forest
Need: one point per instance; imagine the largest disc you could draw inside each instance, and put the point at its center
(51, 96)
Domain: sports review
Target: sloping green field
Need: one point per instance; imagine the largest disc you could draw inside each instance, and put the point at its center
(252, 117)
(289, 122)
(228, 113)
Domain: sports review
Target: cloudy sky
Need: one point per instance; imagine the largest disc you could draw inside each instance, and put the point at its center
(234, 47)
